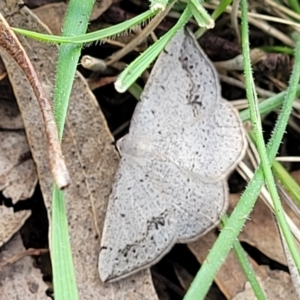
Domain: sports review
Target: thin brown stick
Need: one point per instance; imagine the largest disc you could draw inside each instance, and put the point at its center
(144, 33)
(10, 43)
(29, 252)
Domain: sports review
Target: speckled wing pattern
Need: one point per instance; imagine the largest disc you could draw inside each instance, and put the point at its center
(170, 187)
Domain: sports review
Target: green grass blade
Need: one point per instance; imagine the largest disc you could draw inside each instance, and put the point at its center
(215, 15)
(88, 37)
(158, 4)
(248, 270)
(277, 49)
(246, 266)
(294, 4)
(135, 90)
(259, 140)
(266, 165)
(137, 67)
(228, 235)
(64, 280)
(268, 105)
(200, 14)
(287, 181)
(76, 22)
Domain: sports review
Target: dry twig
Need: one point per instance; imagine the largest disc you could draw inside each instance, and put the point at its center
(10, 43)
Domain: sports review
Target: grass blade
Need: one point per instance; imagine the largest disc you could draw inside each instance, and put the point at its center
(222, 246)
(88, 37)
(63, 269)
(137, 67)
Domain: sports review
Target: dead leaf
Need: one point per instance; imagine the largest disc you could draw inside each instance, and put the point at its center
(296, 176)
(2, 70)
(11, 222)
(261, 231)
(99, 8)
(10, 117)
(275, 284)
(91, 160)
(20, 280)
(53, 15)
(135, 287)
(18, 176)
(232, 281)
(230, 278)
(35, 3)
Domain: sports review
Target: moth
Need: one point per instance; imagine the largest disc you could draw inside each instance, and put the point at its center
(170, 186)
